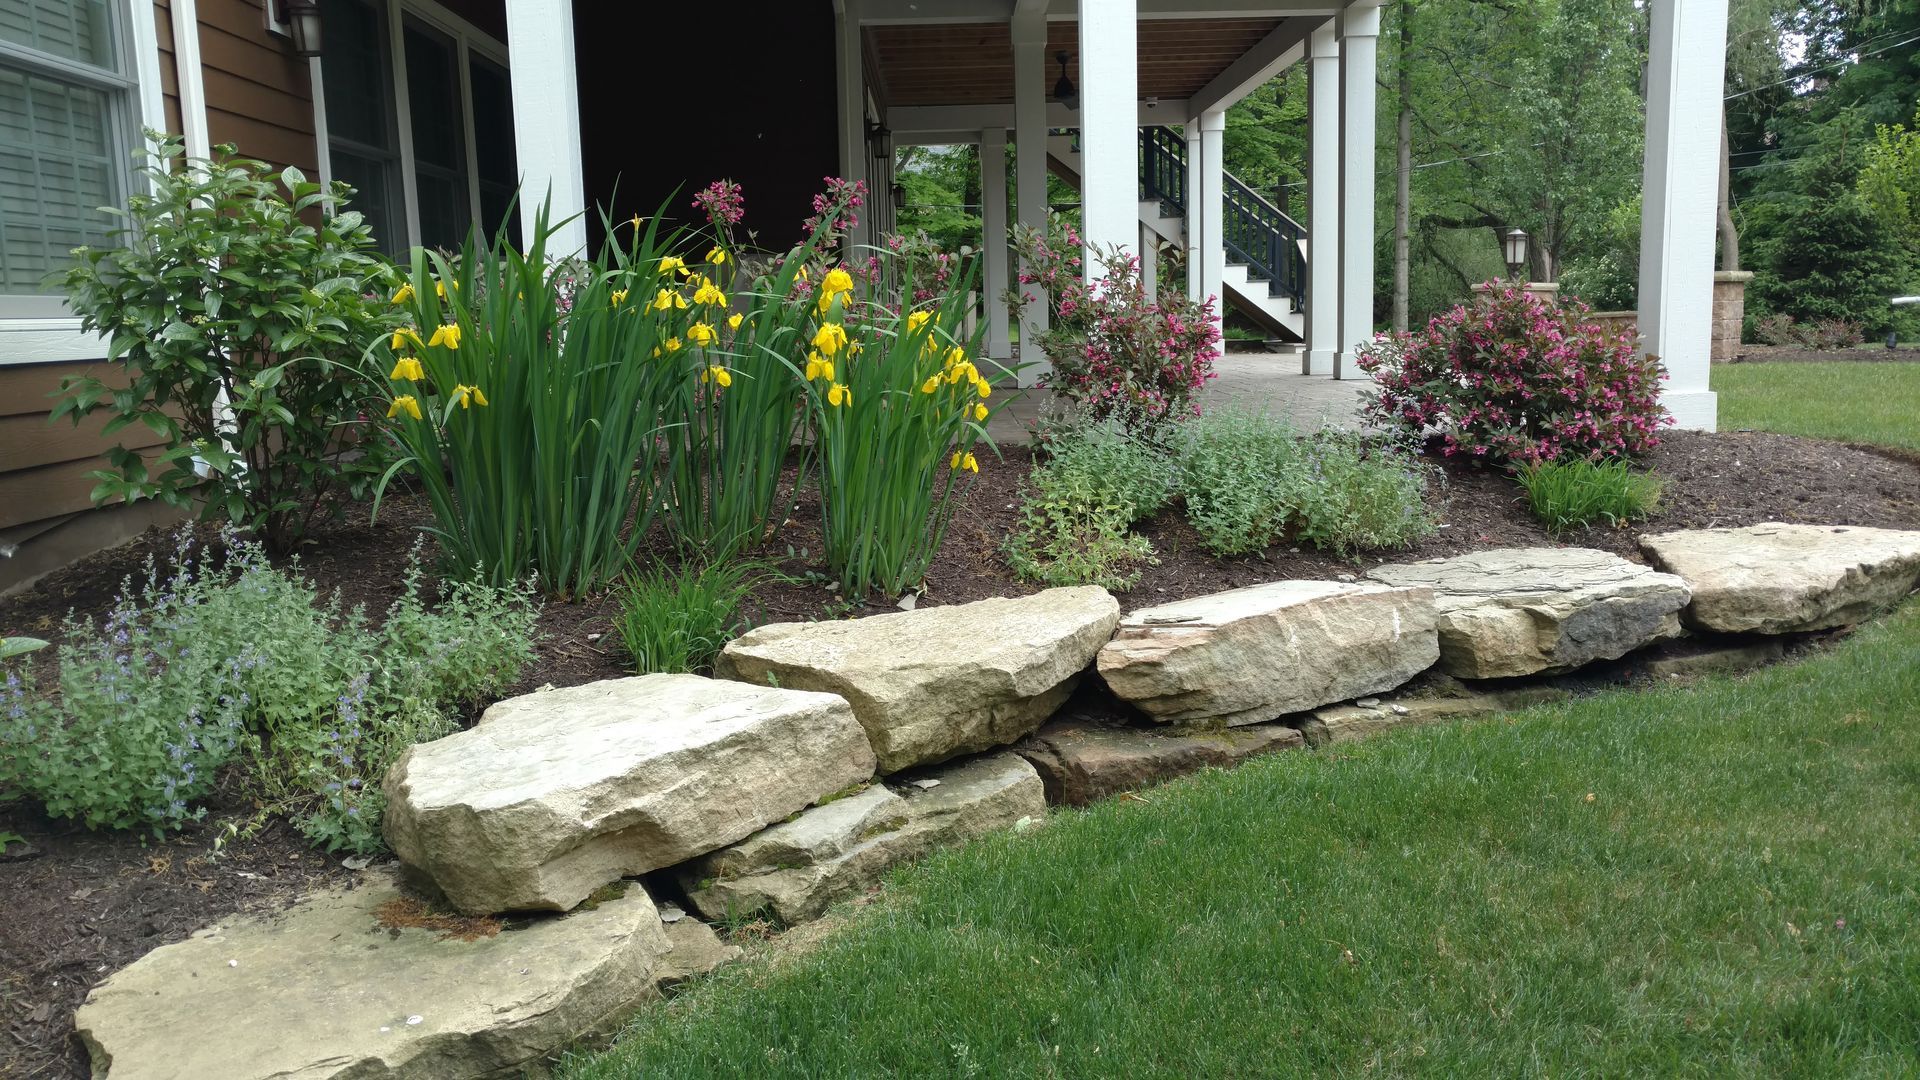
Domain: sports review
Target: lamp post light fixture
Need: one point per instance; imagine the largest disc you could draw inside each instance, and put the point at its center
(1063, 91)
(1514, 246)
(899, 194)
(302, 19)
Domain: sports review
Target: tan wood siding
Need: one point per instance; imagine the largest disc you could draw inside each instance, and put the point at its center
(44, 466)
(258, 94)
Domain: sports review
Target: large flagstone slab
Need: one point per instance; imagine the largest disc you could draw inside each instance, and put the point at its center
(1779, 578)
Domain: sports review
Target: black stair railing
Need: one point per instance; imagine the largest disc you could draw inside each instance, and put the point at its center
(1257, 233)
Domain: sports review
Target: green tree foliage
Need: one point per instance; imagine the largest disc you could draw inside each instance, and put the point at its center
(943, 194)
(1890, 180)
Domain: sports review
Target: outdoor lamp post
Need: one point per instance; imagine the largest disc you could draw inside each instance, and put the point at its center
(1514, 244)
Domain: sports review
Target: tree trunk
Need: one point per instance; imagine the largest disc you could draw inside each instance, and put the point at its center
(1729, 233)
(1403, 188)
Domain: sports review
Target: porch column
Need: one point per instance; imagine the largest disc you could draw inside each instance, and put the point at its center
(852, 109)
(1109, 127)
(993, 226)
(1191, 132)
(1359, 34)
(1685, 66)
(546, 121)
(1149, 260)
(1213, 219)
(1030, 166)
(1323, 195)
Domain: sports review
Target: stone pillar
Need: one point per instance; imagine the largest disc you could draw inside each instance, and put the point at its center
(1729, 312)
(1359, 41)
(1687, 47)
(1109, 128)
(1323, 193)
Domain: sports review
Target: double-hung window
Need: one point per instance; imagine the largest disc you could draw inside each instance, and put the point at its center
(68, 123)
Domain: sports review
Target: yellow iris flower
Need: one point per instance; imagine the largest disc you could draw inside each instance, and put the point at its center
(404, 403)
(446, 334)
(406, 368)
(932, 384)
(669, 264)
(979, 411)
(964, 461)
(619, 297)
(836, 281)
(405, 335)
(983, 388)
(734, 320)
(401, 295)
(718, 374)
(466, 395)
(819, 367)
(672, 345)
(917, 319)
(838, 395)
(716, 256)
(709, 293)
(702, 334)
(668, 298)
(831, 339)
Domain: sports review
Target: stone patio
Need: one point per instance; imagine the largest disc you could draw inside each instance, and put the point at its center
(1252, 380)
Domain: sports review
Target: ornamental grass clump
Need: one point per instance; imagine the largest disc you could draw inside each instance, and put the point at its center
(1567, 495)
(1115, 350)
(1511, 378)
(898, 407)
(676, 619)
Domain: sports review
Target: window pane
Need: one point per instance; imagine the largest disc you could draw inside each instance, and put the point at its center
(355, 64)
(439, 149)
(76, 29)
(375, 196)
(57, 168)
(493, 143)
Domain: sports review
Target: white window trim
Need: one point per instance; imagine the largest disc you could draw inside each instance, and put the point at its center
(59, 339)
(467, 39)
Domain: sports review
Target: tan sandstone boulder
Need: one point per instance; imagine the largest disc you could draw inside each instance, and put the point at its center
(1779, 578)
(938, 682)
(1518, 611)
(798, 869)
(554, 794)
(1250, 655)
(341, 985)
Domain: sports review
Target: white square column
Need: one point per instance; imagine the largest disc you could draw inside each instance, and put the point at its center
(1195, 271)
(1323, 195)
(546, 122)
(1211, 199)
(993, 239)
(851, 107)
(1030, 167)
(1359, 39)
(1685, 67)
(1109, 127)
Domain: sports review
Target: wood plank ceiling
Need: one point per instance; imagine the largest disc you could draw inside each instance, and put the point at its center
(972, 63)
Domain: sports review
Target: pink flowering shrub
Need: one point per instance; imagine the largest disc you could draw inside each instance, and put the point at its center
(1513, 379)
(1116, 351)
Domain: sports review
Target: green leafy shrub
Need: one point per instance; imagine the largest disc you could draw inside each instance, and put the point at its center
(1073, 531)
(1248, 481)
(677, 620)
(1237, 470)
(1128, 469)
(1566, 495)
(1358, 494)
(234, 660)
(234, 304)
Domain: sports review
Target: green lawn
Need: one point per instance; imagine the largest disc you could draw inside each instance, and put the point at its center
(1856, 402)
(1709, 881)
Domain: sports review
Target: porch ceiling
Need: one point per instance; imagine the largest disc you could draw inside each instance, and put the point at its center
(972, 63)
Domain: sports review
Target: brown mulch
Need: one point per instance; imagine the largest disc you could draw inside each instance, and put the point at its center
(1872, 352)
(85, 904)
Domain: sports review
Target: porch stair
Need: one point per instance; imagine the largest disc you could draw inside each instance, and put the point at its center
(1266, 267)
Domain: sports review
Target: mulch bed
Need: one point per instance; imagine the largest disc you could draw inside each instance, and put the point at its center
(85, 904)
(1872, 352)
